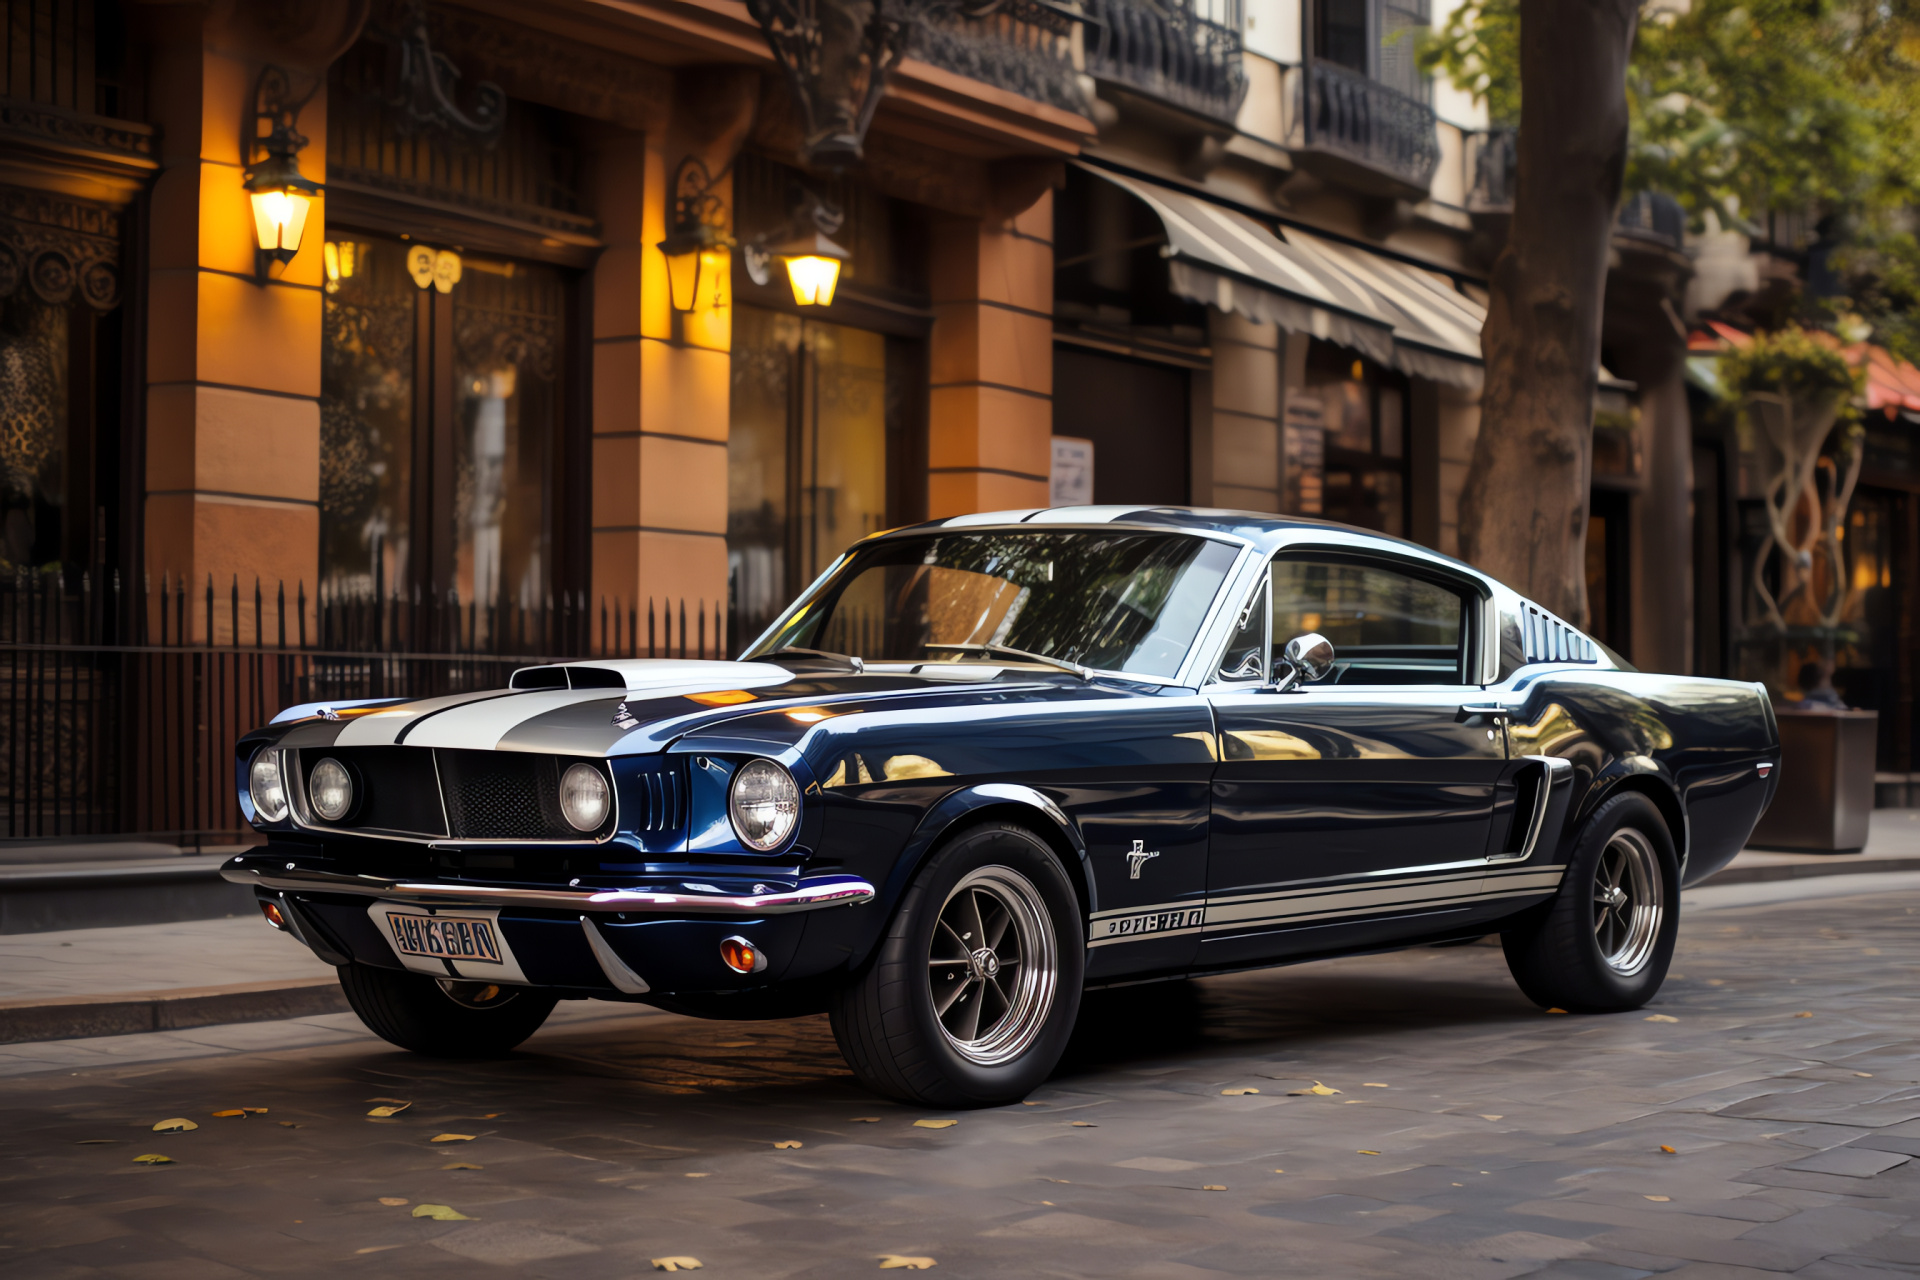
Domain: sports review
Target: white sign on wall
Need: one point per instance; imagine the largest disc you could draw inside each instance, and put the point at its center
(1070, 484)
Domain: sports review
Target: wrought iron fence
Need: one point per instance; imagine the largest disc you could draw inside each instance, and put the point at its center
(120, 707)
(1179, 51)
(1349, 114)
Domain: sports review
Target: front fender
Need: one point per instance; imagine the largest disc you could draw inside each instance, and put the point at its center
(1013, 798)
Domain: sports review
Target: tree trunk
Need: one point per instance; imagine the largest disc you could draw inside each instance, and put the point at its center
(1523, 514)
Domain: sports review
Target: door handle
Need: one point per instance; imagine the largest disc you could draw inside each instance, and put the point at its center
(1476, 710)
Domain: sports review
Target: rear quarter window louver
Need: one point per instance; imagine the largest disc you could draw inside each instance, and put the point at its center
(1547, 639)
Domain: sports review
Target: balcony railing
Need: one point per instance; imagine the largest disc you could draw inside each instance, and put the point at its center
(1494, 156)
(1170, 51)
(1348, 115)
(1022, 46)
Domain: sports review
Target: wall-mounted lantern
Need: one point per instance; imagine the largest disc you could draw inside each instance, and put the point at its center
(811, 258)
(837, 55)
(697, 245)
(281, 196)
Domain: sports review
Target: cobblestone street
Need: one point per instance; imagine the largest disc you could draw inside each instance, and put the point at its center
(1757, 1119)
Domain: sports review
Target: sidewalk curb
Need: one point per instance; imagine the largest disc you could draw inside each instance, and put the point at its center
(132, 1013)
(135, 1012)
(1837, 865)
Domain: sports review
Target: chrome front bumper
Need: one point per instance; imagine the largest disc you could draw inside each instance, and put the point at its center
(811, 894)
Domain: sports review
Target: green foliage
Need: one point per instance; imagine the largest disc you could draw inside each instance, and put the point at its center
(1789, 363)
(1479, 50)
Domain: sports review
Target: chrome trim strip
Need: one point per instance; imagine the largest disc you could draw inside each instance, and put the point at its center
(810, 894)
(1554, 771)
(622, 978)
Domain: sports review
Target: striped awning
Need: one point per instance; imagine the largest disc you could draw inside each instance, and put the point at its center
(1393, 312)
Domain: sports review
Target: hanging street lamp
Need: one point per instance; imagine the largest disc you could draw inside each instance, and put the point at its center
(837, 55)
(697, 246)
(281, 197)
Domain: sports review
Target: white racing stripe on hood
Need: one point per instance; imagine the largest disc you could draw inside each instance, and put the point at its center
(479, 721)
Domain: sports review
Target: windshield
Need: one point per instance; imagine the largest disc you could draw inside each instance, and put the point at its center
(1121, 601)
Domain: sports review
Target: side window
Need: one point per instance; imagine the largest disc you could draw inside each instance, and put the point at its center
(1386, 627)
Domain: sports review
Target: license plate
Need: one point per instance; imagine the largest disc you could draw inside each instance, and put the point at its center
(461, 938)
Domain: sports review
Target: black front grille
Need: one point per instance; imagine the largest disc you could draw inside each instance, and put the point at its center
(503, 795)
(491, 795)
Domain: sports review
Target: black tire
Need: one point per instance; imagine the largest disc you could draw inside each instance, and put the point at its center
(475, 1020)
(887, 1021)
(1592, 950)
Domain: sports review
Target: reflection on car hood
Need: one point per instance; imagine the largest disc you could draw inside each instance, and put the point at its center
(663, 699)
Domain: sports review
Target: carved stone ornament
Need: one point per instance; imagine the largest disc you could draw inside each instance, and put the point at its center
(57, 247)
(837, 55)
(422, 82)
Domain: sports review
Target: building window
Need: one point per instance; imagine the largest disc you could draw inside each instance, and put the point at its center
(440, 428)
(1377, 38)
(1362, 461)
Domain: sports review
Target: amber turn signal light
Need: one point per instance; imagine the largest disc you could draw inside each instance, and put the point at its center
(740, 956)
(271, 910)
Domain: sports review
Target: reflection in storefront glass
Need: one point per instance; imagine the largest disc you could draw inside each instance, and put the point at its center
(366, 417)
(806, 454)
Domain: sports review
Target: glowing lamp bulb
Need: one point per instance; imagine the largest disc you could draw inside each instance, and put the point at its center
(813, 278)
(738, 955)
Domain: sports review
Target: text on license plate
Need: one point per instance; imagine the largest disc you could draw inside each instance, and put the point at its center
(444, 937)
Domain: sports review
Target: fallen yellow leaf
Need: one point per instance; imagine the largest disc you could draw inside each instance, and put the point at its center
(451, 1137)
(1031, 1103)
(240, 1111)
(1283, 1171)
(179, 1124)
(1371, 1085)
(153, 1159)
(1659, 1199)
(1669, 1150)
(699, 1175)
(896, 1262)
(460, 1165)
(675, 1264)
(1803, 1015)
(1213, 1186)
(440, 1213)
(1493, 1117)
(1660, 1017)
(1085, 1124)
(934, 1124)
(1556, 1011)
(1864, 1075)
(1366, 1153)
(1318, 1090)
(1235, 1093)
(393, 1202)
(792, 1144)
(1065, 1182)
(391, 1109)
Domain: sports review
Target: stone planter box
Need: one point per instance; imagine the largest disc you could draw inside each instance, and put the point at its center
(1825, 794)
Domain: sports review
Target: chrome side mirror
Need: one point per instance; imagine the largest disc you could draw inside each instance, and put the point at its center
(1308, 658)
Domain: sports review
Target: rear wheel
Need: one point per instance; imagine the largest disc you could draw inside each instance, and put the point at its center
(974, 990)
(442, 1018)
(1604, 943)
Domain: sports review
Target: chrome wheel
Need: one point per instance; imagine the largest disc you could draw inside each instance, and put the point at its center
(992, 969)
(1629, 901)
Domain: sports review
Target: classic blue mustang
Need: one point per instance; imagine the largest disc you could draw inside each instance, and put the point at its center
(986, 763)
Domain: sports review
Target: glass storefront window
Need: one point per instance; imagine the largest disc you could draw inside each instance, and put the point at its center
(366, 416)
(33, 430)
(1355, 459)
(806, 454)
(440, 418)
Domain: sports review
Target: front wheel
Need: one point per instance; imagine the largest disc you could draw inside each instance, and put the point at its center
(441, 1018)
(973, 992)
(1604, 943)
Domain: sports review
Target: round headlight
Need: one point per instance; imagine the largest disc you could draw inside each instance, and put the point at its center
(584, 797)
(265, 785)
(330, 789)
(764, 804)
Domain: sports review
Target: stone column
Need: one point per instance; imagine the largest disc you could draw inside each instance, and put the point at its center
(233, 362)
(1246, 458)
(661, 378)
(990, 422)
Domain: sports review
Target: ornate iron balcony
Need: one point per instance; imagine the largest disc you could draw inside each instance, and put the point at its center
(1022, 46)
(1165, 49)
(1379, 130)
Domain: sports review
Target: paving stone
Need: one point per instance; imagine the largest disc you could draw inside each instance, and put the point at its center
(1850, 1162)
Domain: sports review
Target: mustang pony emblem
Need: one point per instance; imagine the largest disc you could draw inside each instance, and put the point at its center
(1138, 859)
